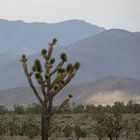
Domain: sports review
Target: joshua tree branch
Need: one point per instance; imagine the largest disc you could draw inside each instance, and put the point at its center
(57, 67)
(31, 83)
(43, 88)
(69, 78)
(50, 52)
(65, 102)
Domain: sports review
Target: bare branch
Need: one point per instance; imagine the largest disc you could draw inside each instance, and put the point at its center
(48, 84)
(51, 46)
(50, 52)
(61, 63)
(43, 88)
(31, 83)
(50, 106)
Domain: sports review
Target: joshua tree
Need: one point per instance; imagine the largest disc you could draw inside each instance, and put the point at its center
(51, 81)
(65, 104)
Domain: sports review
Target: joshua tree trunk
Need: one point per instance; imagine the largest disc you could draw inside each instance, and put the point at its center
(63, 75)
(117, 137)
(45, 124)
(45, 120)
(110, 138)
(77, 138)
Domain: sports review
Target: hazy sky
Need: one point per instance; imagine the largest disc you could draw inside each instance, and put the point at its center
(106, 13)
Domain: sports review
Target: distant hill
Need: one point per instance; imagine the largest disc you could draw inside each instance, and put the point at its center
(113, 52)
(19, 37)
(103, 91)
(7, 58)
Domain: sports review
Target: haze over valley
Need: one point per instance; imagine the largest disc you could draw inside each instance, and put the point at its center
(109, 60)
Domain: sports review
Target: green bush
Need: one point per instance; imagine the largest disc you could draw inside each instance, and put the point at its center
(3, 110)
(2, 129)
(80, 132)
(30, 128)
(18, 109)
(33, 109)
(68, 130)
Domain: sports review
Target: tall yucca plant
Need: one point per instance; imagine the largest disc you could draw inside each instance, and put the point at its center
(50, 88)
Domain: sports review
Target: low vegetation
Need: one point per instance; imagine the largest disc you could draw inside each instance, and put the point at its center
(78, 122)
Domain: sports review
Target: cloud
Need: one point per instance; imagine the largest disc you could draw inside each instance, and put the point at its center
(109, 14)
(43, 2)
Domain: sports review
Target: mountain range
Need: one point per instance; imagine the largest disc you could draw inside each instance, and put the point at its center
(19, 37)
(113, 52)
(109, 61)
(103, 91)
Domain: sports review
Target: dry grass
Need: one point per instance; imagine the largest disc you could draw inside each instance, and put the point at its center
(60, 138)
(83, 119)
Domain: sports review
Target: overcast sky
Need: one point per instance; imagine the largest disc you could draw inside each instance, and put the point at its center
(107, 13)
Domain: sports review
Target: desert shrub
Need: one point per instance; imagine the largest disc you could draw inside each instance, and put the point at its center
(78, 109)
(118, 109)
(2, 129)
(33, 109)
(136, 108)
(68, 130)
(80, 132)
(30, 128)
(3, 110)
(17, 109)
(56, 128)
(13, 126)
(137, 129)
(100, 131)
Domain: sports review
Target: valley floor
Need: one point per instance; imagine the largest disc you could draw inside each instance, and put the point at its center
(59, 121)
(59, 138)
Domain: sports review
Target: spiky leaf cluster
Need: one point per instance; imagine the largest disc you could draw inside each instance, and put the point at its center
(54, 40)
(43, 52)
(33, 68)
(56, 86)
(61, 70)
(61, 73)
(37, 66)
(46, 76)
(38, 75)
(70, 68)
(77, 65)
(63, 57)
(70, 96)
(52, 61)
(62, 82)
(23, 58)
